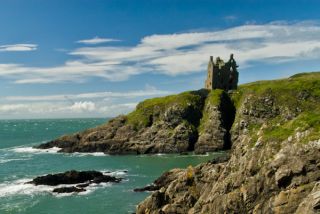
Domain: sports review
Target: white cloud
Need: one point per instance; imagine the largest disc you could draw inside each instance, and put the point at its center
(94, 104)
(7, 108)
(18, 47)
(83, 106)
(180, 53)
(149, 91)
(97, 40)
(64, 110)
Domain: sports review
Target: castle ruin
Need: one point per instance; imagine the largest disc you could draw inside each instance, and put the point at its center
(222, 75)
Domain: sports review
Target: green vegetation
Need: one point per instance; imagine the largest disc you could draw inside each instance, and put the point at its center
(149, 110)
(297, 100)
(309, 120)
(298, 96)
(284, 88)
(213, 99)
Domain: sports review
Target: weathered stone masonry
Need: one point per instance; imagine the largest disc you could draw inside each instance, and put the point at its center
(222, 75)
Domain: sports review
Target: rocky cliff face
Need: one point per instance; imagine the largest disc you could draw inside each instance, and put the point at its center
(272, 127)
(274, 164)
(179, 123)
(216, 122)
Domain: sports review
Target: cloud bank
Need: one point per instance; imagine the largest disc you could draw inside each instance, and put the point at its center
(179, 53)
(94, 104)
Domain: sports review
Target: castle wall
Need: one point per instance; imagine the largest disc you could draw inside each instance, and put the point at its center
(222, 75)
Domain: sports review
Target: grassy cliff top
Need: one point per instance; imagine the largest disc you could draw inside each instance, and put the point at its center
(282, 87)
(148, 110)
(298, 95)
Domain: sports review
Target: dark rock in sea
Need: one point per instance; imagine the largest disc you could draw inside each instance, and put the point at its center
(83, 185)
(105, 179)
(68, 189)
(147, 188)
(69, 177)
(81, 178)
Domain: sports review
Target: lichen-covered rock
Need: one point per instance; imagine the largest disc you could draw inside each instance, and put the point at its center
(311, 203)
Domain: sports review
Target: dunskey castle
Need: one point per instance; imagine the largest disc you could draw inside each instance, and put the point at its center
(222, 75)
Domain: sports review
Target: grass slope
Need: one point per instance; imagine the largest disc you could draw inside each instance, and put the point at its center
(299, 93)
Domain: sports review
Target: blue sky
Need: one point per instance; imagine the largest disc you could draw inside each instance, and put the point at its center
(94, 58)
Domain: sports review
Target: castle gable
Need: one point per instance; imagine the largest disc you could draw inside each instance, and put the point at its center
(222, 75)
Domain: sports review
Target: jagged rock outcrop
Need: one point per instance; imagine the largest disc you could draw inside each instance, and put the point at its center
(274, 165)
(160, 125)
(218, 116)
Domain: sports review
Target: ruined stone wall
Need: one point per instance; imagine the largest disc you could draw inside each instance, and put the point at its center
(222, 75)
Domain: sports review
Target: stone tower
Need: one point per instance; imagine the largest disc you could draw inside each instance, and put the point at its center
(222, 75)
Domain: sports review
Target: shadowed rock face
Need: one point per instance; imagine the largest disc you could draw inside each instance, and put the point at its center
(82, 178)
(217, 121)
(161, 125)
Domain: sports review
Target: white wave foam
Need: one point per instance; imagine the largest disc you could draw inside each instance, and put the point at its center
(60, 195)
(54, 150)
(89, 189)
(89, 154)
(14, 159)
(21, 187)
(35, 150)
(115, 173)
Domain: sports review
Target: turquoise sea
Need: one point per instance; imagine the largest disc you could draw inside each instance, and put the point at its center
(19, 163)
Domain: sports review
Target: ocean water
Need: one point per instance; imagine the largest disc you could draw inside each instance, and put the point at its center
(19, 163)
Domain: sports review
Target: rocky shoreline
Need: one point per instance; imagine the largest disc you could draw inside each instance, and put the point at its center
(190, 121)
(272, 129)
(274, 164)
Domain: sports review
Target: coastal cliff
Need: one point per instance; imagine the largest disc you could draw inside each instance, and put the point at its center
(191, 121)
(274, 164)
(272, 129)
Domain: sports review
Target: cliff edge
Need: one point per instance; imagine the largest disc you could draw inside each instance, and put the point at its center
(274, 164)
(191, 121)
